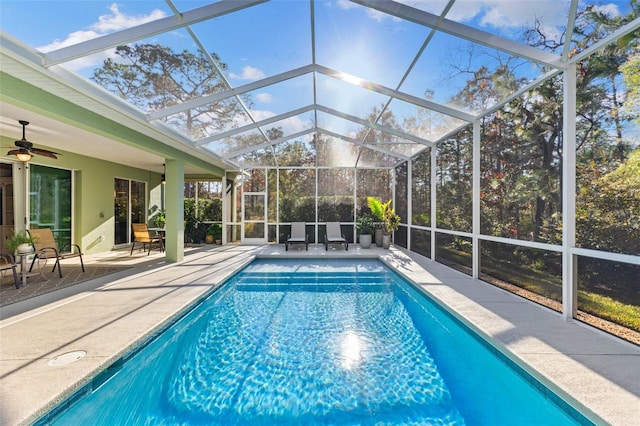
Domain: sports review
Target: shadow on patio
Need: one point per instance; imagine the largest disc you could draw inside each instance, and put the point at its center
(96, 266)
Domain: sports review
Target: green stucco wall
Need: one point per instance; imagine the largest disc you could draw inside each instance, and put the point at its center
(93, 221)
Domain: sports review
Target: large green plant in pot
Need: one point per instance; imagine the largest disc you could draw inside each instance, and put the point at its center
(365, 226)
(389, 219)
(377, 208)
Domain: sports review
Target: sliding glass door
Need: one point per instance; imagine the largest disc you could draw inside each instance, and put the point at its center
(50, 201)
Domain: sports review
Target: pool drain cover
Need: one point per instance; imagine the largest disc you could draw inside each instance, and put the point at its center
(67, 358)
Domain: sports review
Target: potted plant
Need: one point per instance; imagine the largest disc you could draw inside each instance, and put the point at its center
(209, 237)
(378, 209)
(214, 233)
(20, 242)
(159, 219)
(365, 227)
(391, 224)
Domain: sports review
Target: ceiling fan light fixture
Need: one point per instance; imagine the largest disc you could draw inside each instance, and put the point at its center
(24, 156)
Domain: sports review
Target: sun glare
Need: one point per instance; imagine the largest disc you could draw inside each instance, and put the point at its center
(351, 350)
(352, 79)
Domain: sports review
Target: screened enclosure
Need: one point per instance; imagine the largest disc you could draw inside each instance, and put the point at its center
(506, 133)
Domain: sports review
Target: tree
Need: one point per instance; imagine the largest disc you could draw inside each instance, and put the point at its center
(453, 186)
(608, 216)
(154, 77)
(631, 75)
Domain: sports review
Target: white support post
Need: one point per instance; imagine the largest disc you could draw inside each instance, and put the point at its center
(316, 206)
(409, 201)
(21, 196)
(569, 260)
(475, 251)
(277, 171)
(225, 207)
(394, 183)
(433, 200)
(355, 205)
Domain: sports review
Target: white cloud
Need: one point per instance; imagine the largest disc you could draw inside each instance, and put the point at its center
(259, 114)
(371, 13)
(289, 125)
(117, 20)
(73, 38)
(508, 14)
(248, 73)
(294, 125)
(432, 6)
(346, 4)
(376, 15)
(609, 10)
(264, 97)
(106, 24)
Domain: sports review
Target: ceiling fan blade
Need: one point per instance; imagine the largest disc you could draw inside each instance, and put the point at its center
(45, 153)
(14, 152)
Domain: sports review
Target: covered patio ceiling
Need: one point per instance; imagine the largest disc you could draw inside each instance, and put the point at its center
(353, 83)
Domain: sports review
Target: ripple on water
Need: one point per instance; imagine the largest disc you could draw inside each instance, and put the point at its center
(290, 356)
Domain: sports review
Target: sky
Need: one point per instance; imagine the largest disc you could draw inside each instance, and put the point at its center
(274, 37)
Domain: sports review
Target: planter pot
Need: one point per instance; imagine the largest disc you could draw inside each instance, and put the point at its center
(386, 241)
(209, 239)
(24, 248)
(365, 241)
(379, 233)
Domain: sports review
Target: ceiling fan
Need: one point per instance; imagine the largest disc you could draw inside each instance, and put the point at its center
(25, 148)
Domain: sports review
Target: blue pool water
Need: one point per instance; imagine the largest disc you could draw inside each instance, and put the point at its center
(339, 342)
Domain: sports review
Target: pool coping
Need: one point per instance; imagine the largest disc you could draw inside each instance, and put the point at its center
(591, 368)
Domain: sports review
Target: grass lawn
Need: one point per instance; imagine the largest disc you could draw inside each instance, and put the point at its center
(538, 285)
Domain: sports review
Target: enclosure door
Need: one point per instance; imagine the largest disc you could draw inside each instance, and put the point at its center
(254, 224)
(128, 207)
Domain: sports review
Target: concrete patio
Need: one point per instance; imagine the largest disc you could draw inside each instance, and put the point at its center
(51, 345)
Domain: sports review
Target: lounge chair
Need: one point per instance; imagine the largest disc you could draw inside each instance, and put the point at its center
(140, 234)
(46, 248)
(298, 236)
(334, 236)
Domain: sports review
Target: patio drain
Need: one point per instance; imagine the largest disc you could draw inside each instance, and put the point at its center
(67, 358)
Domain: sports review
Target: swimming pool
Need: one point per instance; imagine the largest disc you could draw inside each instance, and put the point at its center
(317, 342)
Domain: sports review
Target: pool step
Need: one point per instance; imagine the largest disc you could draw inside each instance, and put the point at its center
(318, 278)
(323, 281)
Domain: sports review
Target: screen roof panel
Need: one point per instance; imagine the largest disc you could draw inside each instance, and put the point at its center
(362, 42)
(323, 67)
(348, 97)
(260, 41)
(298, 152)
